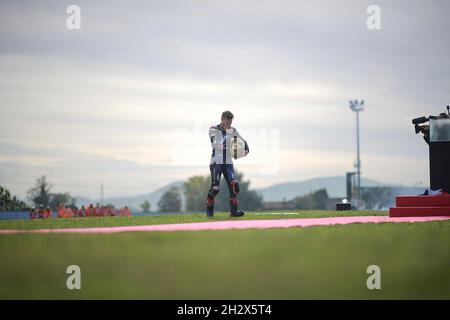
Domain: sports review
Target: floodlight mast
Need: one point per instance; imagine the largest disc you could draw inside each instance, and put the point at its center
(102, 198)
(357, 106)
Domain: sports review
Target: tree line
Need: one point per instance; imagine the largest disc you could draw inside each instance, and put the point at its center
(9, 202)
(195, 190)
(373, 198)
(40, 195)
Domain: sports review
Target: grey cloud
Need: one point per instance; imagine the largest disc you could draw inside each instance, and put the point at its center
(402, 70)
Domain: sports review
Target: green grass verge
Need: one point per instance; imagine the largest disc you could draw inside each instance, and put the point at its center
(167, 218)
(294, 263)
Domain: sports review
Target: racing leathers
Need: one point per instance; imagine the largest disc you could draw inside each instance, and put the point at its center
(222, 163)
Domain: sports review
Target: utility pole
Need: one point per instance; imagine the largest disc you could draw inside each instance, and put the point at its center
(357, 106)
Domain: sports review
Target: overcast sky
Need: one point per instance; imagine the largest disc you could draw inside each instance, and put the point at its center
(127, 100)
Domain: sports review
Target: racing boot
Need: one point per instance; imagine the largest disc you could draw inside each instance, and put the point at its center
(234, 212)
(209, 208)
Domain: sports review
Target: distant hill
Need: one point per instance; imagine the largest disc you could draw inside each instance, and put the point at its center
(135, 201)
(336, 187)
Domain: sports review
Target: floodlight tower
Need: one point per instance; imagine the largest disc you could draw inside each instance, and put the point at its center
(357, 106)
(102, 197)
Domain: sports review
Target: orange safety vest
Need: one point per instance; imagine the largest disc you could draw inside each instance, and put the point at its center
(61, 213)
(69, 213)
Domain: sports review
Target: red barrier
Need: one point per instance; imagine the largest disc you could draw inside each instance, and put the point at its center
(423, 201)
(421, 206)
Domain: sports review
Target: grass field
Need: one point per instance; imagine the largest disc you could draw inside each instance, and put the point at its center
(297, 263)
(170, 218)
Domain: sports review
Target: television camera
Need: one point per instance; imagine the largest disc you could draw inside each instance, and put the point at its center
(419, 125)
